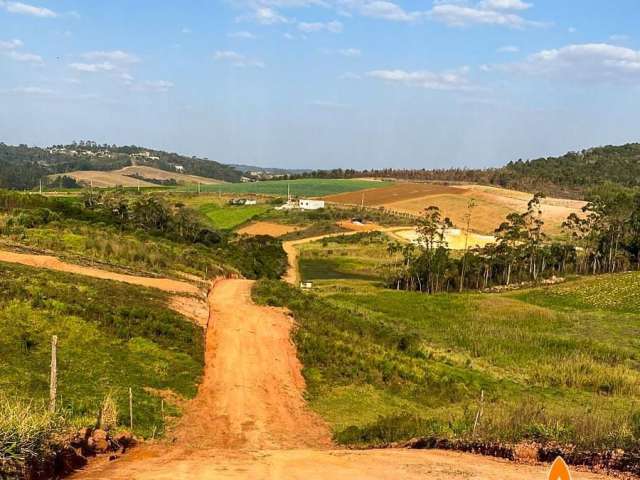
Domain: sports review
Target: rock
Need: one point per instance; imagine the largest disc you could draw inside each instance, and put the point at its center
(100, 441)
(125, 440)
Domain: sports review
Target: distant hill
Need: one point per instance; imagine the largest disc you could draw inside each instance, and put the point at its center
(269, 170)
(577, 171)
(133, 176)
(570, 175)
(22, 167)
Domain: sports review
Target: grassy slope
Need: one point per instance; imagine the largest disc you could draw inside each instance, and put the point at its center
(227, 217)
(303, 187)
(352, 257)
(554, 363)
(112, 336)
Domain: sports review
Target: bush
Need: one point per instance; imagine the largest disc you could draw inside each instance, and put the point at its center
(28, 432)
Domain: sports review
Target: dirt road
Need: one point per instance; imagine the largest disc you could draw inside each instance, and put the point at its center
(53, 263)
(187, 300)
(249, 420)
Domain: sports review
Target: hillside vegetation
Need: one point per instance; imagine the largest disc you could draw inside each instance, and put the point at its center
(22, 167)
(112, 336)
(384, 366)
(570, 175)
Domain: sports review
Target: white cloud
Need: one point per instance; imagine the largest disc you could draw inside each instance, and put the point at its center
(572, 30)
(228, 55)
(159, 86)
(350, 52)
(38, 91)
(115, 56)
(451, 80)
(381, 9)
(93, 67)
(25, 57)
(185, 30)
(126, 78)
(505, 5)
(591, 62)
(243, 34)
(509, 49)
(288, 36)
(25, 9)
(312, 27)
(388, 11)
(460, 16)
(10, 44)
(236, 59)
(10, 49)
(264, 16)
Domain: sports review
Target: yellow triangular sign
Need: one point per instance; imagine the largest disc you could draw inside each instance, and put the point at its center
(559, 470)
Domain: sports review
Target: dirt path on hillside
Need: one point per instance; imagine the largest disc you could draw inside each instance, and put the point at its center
(251, 393)
(249, 420)
(53, 263)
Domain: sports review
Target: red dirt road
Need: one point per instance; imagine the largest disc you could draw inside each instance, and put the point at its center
(249, 419)
(53, 263)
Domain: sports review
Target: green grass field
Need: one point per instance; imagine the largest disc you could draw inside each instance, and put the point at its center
(360, 256)
(228, 217)
(558, 363)
(111, 337)
(303, 187)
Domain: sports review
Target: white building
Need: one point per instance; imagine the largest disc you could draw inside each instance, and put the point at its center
(306, 204)
(179, 168)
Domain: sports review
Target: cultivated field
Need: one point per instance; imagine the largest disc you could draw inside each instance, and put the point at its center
(157, 174)
(300, 188)
(492, 204)
(268, 228)
(227, 217)
(123, 177)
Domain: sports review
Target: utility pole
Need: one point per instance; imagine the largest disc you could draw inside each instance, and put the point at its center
(53, 381)
(40, 186)
(470, 206)
(362, 202)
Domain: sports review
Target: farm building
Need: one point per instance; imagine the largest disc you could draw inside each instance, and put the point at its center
(305, 204)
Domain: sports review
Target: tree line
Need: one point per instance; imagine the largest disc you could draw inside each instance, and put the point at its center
(571, 175)
(604, 238)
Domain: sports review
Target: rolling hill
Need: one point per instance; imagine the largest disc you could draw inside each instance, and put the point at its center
(492, 204)
(134, 176)
(22, 167)
(571, 175)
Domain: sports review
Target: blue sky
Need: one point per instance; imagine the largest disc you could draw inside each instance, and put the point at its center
(324, 83)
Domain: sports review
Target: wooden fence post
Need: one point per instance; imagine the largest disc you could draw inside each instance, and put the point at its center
(53, 381)
(479, 413)
(130, 409)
